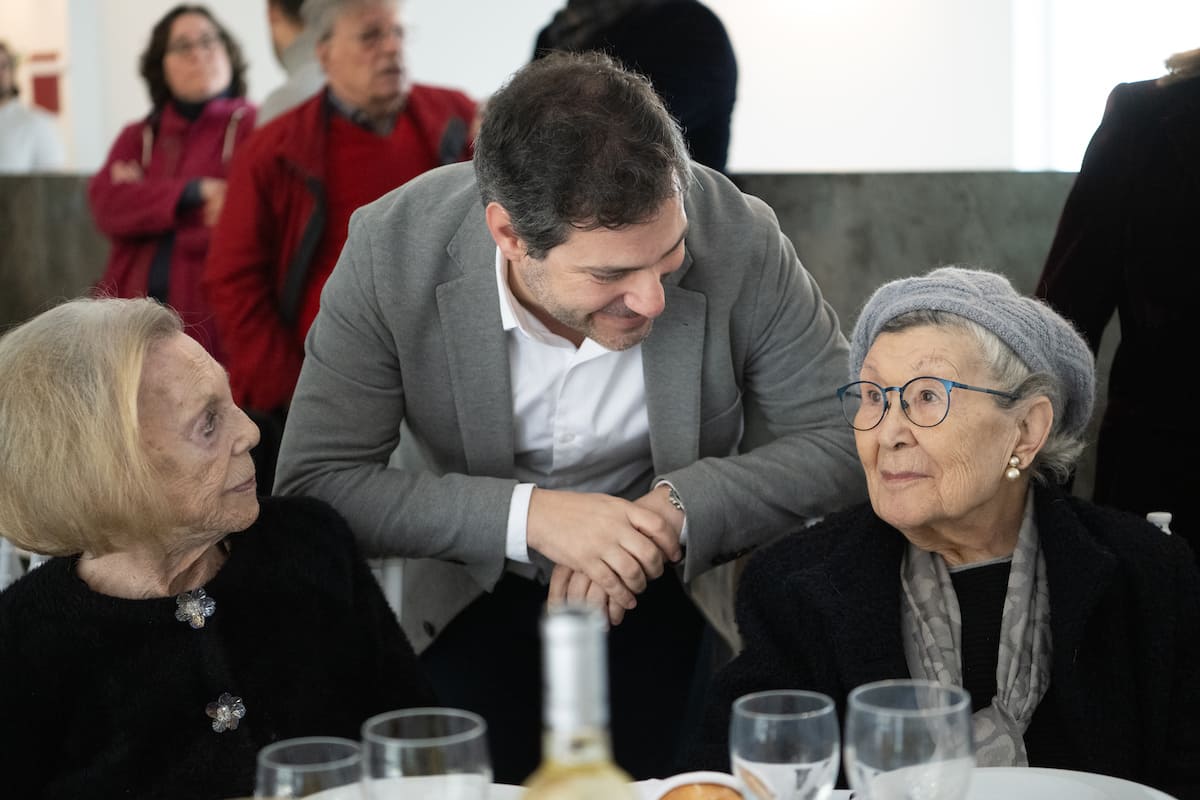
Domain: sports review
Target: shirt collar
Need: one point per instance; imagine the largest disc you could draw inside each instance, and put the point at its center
(514, 316)
(356, 115)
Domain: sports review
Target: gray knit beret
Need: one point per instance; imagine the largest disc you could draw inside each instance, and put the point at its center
(1041, 338)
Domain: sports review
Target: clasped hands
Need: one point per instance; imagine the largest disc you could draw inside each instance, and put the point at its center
(212, 190)
(605, 550)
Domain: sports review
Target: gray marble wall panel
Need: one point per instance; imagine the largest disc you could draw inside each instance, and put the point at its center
(49, 247)
(852, 232)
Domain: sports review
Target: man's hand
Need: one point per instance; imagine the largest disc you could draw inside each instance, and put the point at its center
(618, 545)
(656, 500)
(572, 586)
(569, 586)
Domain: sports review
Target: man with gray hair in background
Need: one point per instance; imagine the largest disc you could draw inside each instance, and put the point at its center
(294, 185)
(607, 373)
(295, 46)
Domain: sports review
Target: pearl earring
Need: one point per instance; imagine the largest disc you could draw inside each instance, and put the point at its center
(1013, 472)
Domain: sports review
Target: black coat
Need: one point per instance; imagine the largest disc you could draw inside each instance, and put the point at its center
(683, 49)
(1129, 241)
(104, 697)
(820, 610)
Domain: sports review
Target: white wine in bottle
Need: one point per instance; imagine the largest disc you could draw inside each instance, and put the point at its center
(576, 754)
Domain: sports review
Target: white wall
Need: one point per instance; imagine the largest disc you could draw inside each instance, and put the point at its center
(1097, 44)
(825, 85)
(867, 85)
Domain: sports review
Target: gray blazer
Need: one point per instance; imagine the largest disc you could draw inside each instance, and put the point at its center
(740, 373)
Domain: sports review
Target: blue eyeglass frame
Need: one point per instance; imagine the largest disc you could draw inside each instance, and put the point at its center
(899, 390)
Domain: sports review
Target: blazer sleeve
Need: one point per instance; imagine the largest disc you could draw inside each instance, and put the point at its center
(345, 421)
(797, 457)
(262, 354)
(147, 207)
(1082, 274)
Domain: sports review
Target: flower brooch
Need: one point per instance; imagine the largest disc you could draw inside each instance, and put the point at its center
(194, 607)
(226, 712)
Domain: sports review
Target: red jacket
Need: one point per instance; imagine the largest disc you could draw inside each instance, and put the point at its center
(273, 224)
(138, 216)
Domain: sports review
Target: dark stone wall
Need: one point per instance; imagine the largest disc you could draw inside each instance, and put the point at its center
(50, 249)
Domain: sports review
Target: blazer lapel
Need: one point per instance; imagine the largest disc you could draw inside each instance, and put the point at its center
(672, 364)
(477, 353)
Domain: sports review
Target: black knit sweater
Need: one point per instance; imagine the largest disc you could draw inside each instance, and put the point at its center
(104, 697)
(820, 610)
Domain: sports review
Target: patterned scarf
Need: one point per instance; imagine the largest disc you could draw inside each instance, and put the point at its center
(931, 626)
(580, 21)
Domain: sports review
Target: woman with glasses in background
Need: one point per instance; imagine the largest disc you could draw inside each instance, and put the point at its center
(1073, 627)
(162, 187)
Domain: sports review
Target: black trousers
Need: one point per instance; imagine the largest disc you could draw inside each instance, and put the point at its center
(488, 660)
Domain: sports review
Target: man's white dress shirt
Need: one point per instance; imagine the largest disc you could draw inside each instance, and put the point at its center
(579, 414)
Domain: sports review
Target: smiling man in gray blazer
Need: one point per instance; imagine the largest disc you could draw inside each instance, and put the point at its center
(561, 370)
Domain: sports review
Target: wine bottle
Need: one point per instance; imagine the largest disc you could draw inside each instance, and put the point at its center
(576, 754)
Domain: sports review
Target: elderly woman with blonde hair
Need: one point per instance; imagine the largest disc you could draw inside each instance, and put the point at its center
(1073, 627)
(184, 622)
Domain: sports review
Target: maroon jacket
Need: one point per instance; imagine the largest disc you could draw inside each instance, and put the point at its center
(141, 216)
(272, 225)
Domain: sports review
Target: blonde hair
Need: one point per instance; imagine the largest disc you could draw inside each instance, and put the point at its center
(74, 476)
(1180, 66)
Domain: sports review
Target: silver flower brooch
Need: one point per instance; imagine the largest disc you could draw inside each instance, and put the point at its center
(226, 712)
(194, 607)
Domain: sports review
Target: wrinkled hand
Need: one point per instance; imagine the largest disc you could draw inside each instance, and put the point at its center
(212, 191)
(125, 172)
(569, 586)
(617, 544)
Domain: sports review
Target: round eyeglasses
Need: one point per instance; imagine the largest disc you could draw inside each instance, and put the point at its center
(924, 400)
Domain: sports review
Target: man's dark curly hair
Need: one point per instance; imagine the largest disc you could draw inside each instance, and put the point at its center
(152, 59)
(575, 141)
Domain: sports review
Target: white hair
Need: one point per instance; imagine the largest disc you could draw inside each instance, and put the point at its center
(320, 15)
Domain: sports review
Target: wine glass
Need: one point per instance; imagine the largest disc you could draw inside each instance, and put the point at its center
(909, 740)
(426, 753)
(784, 744)
(303, 767)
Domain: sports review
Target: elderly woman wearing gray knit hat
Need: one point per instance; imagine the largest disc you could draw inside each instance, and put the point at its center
(1075, 629)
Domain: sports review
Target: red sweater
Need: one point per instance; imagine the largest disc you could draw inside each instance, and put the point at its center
(291, 193)
(361, 166)
(138, 215)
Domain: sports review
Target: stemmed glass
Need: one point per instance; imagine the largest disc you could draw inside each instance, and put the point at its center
(427, 753)
(909, 740)
(303, 767)
(784, 744)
